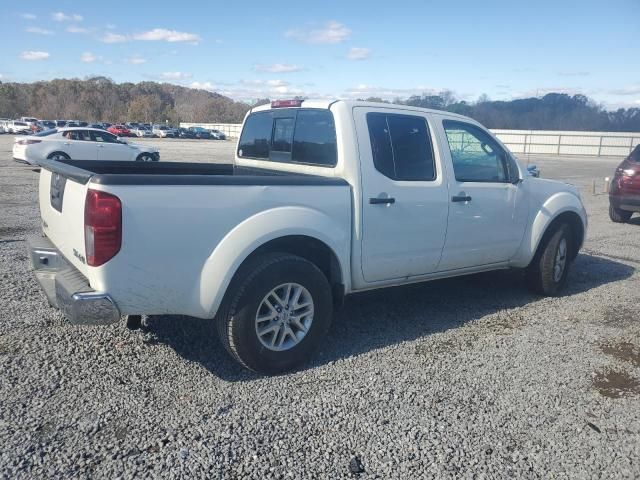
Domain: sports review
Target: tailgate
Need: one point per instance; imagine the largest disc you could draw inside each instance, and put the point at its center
(62, 196)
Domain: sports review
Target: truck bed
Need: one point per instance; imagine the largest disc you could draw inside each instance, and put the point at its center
(177, 173)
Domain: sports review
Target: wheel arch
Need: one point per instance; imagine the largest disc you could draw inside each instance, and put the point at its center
(574, 222)
(300, 231)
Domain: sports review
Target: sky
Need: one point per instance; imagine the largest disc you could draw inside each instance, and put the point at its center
(256, 49)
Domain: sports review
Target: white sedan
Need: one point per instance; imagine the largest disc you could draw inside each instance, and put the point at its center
(79, 144)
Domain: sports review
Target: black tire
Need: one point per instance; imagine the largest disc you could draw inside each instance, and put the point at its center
(236, 319)
(619, 216)
(58, 155)
(145, 157)
(540, 274)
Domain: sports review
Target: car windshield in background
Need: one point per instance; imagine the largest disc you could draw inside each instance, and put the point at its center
(46, 133)
(311, 142)
(20, 124)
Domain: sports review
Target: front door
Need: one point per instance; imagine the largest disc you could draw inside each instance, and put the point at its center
(78, 145)
(109, 147)
(404, 195)
(488, 210)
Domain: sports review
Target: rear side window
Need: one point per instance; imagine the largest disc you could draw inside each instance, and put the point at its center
(291, 136)
(401, 146)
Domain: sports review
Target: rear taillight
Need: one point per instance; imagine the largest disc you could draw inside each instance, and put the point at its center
(28, 142)
(102, 227)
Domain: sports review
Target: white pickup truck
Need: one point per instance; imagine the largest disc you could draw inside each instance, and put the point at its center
(324, 199)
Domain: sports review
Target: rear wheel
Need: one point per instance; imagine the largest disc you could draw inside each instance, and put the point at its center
(547, 273)
(276, 312)
(58, 156)
(619, 216)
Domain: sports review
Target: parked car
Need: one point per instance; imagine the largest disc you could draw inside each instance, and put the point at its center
(17, 126)
(184, 133)
(163, 131)
(142, 132)
(79, 144)
(47, 124)
(624, 191)
(97, 125)
(199, 132)
(72, 124)
(119, 130)
(61, 123)
(29, 120)
(323, 199)
(217, 134)
(2, 129)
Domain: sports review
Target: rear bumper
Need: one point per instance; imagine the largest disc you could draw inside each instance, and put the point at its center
(67, 289)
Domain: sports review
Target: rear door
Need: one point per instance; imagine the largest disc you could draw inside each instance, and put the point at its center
(108, 146)
(404, 195)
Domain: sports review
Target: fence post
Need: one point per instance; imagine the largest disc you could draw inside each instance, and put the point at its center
(559, 142)
(600, 146)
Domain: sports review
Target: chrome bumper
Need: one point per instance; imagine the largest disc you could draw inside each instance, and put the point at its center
(67, 289)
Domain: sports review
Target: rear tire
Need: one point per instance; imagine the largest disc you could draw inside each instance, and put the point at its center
(547, 273)
(58, 156)
(276, 312)
(619, 216)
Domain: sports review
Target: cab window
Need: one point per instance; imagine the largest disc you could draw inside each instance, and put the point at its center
(401, 146)
(476, 156)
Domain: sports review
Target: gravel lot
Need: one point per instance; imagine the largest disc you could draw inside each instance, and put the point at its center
(463, 378)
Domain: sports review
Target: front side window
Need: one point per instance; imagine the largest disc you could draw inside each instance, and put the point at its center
(476, 156)
(103, 137)
(401, 146)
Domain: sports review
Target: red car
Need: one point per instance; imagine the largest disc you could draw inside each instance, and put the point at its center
(119, 130)
(624, 193)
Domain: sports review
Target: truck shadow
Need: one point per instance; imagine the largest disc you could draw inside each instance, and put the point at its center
(379, 318)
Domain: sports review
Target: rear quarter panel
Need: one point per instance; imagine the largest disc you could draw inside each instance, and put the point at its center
(182, 243)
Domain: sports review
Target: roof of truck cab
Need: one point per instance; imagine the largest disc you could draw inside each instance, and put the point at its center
(324, 103)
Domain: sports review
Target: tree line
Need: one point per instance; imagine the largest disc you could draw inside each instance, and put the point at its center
(100, 99)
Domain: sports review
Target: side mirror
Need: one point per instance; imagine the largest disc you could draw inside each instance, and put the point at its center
(533, 171)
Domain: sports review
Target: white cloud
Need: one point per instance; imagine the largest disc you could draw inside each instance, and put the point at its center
(176, 76)
(631, 90)
(88, 57)
(330, 32)
(357, 53)
(277, 83)
(77, 29)
(63, 17)
(162, 34)
(277, 68)
(38, 30)
(34, 55)
(113, 38)
(28, 16)
(136, 60)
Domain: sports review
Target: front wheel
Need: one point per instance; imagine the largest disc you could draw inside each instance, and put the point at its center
(547, 273)
(276, 312)
(619, 216)
(145, 157)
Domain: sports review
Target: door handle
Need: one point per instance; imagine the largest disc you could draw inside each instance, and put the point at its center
(461, 198)
(100, 145)
(67, 143)
(381, 201)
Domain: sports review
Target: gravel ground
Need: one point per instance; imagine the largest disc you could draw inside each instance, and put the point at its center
(463, 378)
